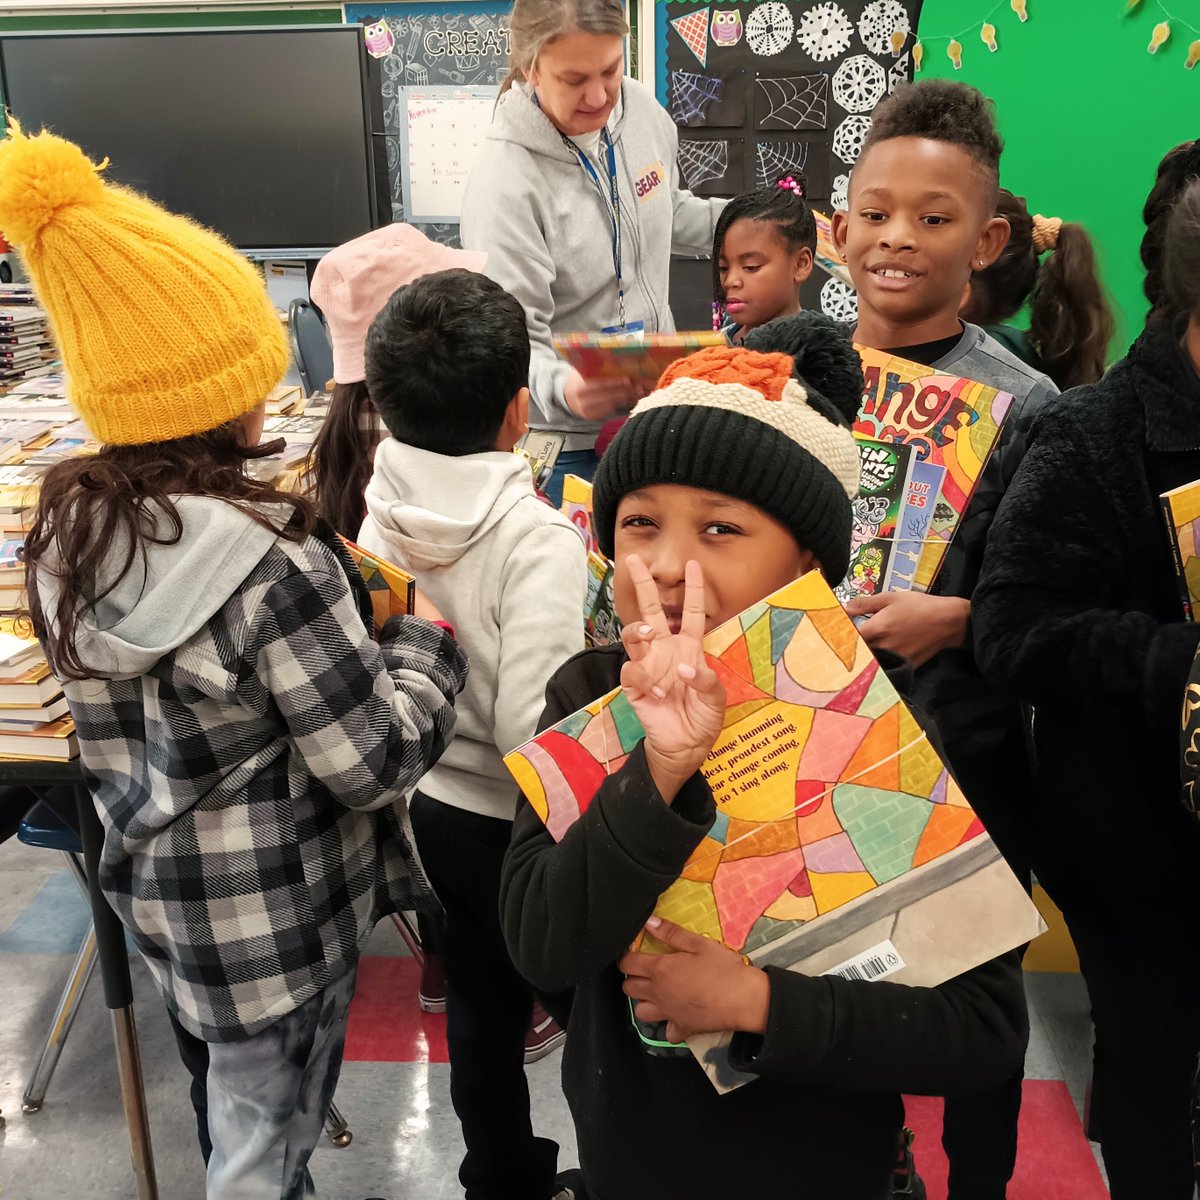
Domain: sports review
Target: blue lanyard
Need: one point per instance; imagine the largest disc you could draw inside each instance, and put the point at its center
(614, 211)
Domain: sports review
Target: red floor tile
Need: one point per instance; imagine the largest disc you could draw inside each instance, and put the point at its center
(386, 1024)
(1054, 1159)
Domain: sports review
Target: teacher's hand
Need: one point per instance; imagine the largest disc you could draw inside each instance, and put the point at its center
(599, 399)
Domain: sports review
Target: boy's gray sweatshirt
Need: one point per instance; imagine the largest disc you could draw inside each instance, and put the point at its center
(548, 231)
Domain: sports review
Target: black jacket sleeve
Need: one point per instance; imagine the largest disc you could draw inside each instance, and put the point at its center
(1047, 619)
(963, 1036)
(569, 909)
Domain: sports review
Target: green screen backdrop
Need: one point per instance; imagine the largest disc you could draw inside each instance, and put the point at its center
(1086, 114)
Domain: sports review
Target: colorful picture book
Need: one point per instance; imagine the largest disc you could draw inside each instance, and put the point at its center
(827, 256)
(1181, 508)
(884, 472)
(840, 836)
(952, 422)
(601, 625)
(577, 508)
(920, 498)
(393, 591)
(611, 356)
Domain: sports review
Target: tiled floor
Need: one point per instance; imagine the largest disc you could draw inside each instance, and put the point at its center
(395, 1085)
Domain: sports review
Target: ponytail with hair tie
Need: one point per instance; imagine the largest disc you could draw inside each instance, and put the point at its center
(1045, 233)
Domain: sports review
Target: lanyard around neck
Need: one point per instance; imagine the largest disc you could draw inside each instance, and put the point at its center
(611, 203)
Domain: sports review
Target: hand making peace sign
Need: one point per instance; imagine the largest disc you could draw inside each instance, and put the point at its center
(675, 693)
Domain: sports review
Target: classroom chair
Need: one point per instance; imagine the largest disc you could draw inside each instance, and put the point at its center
(310, 346)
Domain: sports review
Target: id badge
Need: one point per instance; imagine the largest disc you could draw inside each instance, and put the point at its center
(631, 331)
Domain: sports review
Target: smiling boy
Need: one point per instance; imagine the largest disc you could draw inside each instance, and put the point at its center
(921, 218)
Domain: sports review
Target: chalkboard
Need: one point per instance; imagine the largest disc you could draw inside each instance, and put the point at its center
(462, 44)
(764, 90)
(441, 131)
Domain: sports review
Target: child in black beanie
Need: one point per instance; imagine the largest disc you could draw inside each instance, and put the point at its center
(729, 481)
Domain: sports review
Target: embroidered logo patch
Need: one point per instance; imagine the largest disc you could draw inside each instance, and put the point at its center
(649, 180)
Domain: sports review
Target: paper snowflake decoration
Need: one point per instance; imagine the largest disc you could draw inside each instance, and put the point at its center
(898, 72)
(769, 29)
(859, 84)
(848, 138)
(841, 192)
(839, 301)
(824, 32)
(879, 20)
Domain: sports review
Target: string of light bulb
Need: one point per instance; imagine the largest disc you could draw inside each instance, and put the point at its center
(985, 27)
(1162, 31)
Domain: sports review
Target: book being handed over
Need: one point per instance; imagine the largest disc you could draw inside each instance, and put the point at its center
(841, 842)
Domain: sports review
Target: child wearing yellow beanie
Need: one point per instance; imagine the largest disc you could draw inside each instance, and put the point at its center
(244, 736)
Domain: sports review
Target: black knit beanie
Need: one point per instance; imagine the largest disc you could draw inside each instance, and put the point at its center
(767, 423)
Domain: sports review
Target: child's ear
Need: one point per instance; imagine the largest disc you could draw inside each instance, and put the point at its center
(839, 225)
(991, 245)
(518, 411)
(804, 264)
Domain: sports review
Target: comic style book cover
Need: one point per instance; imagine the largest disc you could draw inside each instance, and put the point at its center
(916, 518)
(1181, 508)
(884, 471)
(841, 841)
(601, 626)
(950, 421)
(393, 591)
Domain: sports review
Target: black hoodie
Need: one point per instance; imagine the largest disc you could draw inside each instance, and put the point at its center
(823, 1118)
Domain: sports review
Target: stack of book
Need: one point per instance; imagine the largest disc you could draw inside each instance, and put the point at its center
(34, 720)
(26, 351)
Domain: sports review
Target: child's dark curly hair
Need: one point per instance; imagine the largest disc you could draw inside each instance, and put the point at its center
(942, 111)
(782, 207)
(1179, 168)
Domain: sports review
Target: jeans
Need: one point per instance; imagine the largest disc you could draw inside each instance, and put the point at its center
(261, 1101)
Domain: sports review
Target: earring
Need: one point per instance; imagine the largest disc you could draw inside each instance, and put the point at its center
(981, 262)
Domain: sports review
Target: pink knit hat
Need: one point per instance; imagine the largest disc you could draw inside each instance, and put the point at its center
(354, 281)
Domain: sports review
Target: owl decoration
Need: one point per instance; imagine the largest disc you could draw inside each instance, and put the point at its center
(727, 27)
(380, 39)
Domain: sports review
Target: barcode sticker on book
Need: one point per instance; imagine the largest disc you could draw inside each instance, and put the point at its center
(876, 963)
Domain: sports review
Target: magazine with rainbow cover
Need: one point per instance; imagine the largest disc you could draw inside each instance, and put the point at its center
(642, 359)
(393, 591)
(951, 421)
(841, 843)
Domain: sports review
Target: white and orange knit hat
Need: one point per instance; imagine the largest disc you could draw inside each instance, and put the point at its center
(767, 422)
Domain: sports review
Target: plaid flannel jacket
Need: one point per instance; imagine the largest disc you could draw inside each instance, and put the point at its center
(251, 787)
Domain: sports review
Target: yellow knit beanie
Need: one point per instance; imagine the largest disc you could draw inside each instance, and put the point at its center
(164, 330)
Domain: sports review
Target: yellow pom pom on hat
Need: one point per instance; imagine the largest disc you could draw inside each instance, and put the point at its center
(164, 329)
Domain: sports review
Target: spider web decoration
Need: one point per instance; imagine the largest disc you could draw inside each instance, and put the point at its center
(879, 20)
(840, 197)
(898, 73)
(825, 32)
(859, 84)
(769, 30)
(848, 138)
(693, 29)
(796, 102)
(702, 162)
(691, 95)
(777, 160)
(839, 301)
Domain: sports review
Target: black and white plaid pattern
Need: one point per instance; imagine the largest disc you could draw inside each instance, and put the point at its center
(251, 783)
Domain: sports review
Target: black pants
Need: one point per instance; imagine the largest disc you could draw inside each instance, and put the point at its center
(193, 1053)
(488, 1006)
(1141, 963)
(979, 1132)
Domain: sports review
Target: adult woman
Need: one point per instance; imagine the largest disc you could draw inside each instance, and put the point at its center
(576, 199)
(1078, 613)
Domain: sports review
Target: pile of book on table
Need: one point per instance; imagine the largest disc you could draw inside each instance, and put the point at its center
(34, 721)
(25, 348)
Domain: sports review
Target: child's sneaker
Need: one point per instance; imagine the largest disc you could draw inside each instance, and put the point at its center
(431, 995)
(544, 1035)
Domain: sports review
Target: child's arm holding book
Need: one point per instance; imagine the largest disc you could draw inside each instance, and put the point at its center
(853, 1035)
(572, 908)
(368, 718)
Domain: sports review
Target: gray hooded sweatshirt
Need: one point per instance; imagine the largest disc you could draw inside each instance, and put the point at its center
(548, 232)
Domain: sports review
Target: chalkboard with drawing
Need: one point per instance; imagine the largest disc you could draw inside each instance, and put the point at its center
(457, 46)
